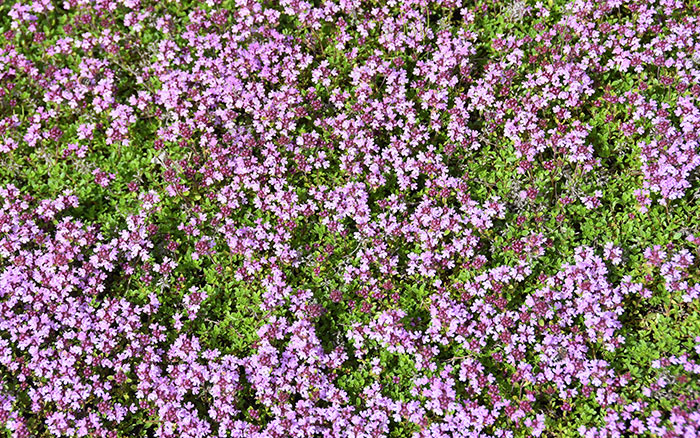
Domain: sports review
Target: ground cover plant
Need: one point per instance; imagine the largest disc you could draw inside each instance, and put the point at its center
(349, 218)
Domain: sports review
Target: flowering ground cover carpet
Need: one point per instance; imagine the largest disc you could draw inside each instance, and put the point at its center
(349, 218)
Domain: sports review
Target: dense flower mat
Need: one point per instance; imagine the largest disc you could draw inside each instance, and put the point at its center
(349, 219)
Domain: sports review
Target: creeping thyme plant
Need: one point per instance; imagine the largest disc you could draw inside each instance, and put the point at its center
(349, 218)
